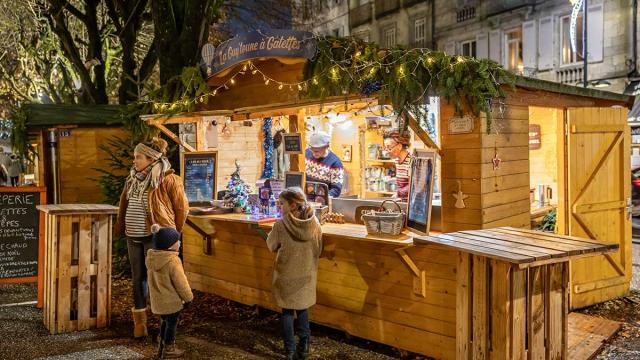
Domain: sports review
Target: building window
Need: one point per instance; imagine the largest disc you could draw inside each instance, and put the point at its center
(567, 56)
(513, 50)
(419, 32)
(389, 37)
(468, 48)
(336, 32)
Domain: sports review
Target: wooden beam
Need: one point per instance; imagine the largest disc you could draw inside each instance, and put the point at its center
(174, 137)
(413, 124)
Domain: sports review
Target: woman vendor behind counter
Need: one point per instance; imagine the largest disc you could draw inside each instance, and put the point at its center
(397, 145)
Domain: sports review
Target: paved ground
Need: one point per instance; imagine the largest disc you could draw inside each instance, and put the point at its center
(218, 329)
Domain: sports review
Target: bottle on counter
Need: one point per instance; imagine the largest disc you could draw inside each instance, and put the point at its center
(273, 209)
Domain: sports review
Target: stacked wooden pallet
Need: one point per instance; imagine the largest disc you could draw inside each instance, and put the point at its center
(77, 284)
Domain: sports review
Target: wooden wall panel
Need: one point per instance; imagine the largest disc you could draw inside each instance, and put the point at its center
(79, 156)
(363, 288)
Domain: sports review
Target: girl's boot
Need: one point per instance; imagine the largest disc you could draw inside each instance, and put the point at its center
(303, 348)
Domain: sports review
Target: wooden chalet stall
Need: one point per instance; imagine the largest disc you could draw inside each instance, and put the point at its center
(450, 294)
(67, 141)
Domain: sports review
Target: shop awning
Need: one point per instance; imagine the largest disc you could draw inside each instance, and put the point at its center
(42, 115)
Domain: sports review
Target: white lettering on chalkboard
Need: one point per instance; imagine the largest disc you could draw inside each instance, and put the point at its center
(19, 231)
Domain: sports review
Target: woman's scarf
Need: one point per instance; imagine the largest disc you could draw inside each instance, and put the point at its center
(151, 176)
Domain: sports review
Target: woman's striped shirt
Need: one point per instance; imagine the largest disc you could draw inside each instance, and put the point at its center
(136, 214)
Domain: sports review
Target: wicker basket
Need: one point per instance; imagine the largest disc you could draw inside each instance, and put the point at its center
(381, 222)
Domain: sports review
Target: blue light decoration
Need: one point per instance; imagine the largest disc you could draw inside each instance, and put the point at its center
(370, 86)
(267, 145)
(577, 5)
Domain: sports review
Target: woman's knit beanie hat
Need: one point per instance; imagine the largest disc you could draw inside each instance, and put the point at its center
(164, 237)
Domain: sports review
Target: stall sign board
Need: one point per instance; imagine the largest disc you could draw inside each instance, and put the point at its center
(534, 137)
(276, 187)
(421, 191)
(21, 241)
(260, 44)
(294, 179)
(461, 125)
(292, 143)
(199, 171)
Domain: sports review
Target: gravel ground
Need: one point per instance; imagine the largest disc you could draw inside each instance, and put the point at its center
(214, 328)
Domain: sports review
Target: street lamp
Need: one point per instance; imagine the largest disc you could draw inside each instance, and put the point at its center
(577, 5)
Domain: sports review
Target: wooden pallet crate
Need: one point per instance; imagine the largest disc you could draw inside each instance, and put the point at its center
(77, 284)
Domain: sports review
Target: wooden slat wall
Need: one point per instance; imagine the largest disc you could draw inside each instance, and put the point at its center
(496, 197)
(244, 143)
(79, 156)
(505, 312)
(363, 288)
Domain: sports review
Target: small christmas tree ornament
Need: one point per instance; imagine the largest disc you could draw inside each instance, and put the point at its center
(237, 192)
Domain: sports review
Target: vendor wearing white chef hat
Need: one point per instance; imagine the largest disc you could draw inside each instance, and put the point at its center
(322, 164)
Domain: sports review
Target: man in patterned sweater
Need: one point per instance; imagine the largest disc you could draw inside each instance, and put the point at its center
(322, 165)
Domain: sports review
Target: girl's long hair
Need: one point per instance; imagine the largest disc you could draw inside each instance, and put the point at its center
(297, 200)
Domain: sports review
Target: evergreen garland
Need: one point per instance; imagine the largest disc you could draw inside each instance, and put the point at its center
(349, 66)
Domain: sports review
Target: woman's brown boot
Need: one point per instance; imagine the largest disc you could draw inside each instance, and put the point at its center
(139, 322)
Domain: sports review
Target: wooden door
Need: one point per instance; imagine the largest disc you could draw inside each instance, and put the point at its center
(597, 198)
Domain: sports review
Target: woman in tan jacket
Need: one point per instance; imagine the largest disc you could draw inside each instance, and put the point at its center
(153, 194)
(297, 239)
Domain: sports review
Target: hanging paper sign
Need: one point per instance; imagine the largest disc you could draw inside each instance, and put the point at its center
(256, 44)
(534, 137)
(461, 125)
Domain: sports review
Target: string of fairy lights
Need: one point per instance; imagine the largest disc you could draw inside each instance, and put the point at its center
(248, 67)
(404, 63)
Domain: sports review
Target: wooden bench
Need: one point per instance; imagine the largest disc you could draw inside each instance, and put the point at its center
(512, 290)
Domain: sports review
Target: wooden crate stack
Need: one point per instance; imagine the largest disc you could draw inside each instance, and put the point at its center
(77, 284)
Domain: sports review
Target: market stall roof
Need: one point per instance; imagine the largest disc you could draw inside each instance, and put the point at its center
(42, 115)
(550, 86)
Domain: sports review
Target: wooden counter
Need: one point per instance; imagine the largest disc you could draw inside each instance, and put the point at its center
(496, 293)
(378, 288)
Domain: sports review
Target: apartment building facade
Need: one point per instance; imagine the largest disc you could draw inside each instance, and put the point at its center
(528, 37)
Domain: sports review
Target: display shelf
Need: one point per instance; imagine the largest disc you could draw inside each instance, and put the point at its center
(382, 192)
(381, 161)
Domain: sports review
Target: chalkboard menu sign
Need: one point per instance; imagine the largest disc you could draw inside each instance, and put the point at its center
(294, 179)
(20, 233)
(292, 143)
(421, 191)
(199, 171)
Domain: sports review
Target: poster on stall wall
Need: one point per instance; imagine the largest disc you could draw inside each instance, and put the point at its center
(199, 171)
(421, 191)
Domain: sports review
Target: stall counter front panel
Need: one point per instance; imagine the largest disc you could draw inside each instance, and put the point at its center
(367, 286)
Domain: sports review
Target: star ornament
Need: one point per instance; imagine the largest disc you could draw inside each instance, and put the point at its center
(496, 162)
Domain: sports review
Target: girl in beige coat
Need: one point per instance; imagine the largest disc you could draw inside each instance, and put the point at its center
(297, 239)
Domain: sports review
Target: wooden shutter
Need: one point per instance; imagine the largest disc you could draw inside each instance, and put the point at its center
(495, 46)
(529, 45)
(482, 46)
(546, 44)
(595, 33)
